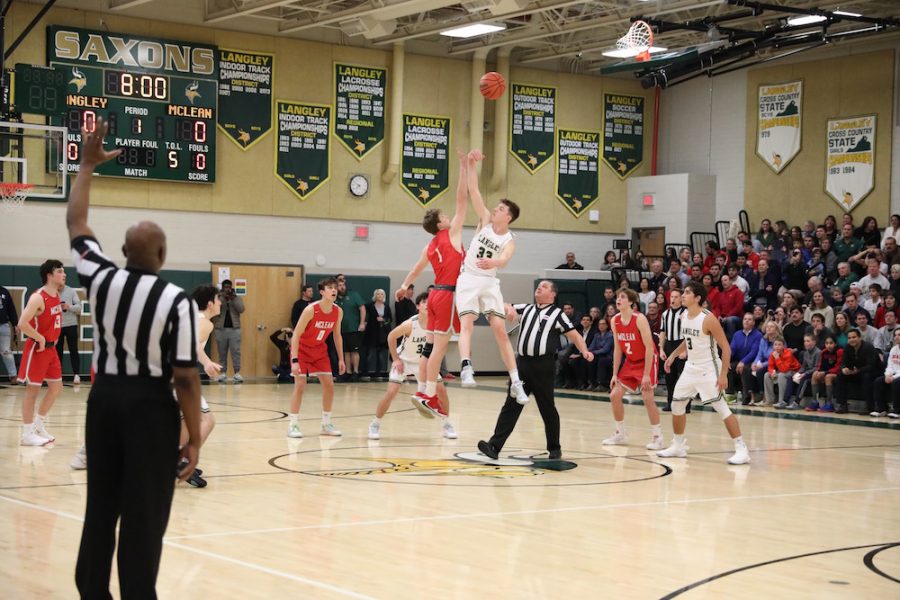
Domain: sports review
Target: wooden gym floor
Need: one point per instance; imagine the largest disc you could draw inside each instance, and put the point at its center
(816, 515)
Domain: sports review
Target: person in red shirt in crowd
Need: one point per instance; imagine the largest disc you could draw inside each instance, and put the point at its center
(752, 257)
(712, 251)
(782, 366)
(729, 307)
(712, 292)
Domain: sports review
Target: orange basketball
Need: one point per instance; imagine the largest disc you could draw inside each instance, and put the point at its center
(492, 85)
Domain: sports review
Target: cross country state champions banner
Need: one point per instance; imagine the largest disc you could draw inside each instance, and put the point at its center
(425, 165)
(623, 133)
(245, 95)
(302, 159)
(850, 173)
(359, 107)
(577, 182)
(533, 124)
(778, 130)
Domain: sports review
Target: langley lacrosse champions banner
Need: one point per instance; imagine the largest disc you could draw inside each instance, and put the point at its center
(425, 165)
(533, 124)
(623, 133)
(779, 123)
(359, 95)
(577, 181)
(850, 171)
(245, 95)
(302, 159)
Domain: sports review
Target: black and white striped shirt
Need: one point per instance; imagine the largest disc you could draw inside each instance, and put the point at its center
(540, 326)
(671, 324)
(143, 325)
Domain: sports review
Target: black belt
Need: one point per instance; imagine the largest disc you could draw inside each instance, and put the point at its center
(443, 287)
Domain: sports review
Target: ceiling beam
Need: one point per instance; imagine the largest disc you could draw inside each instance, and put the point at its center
(126, 4)
(390, 10)
(245, 10)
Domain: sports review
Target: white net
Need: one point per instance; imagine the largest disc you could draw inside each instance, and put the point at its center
(12, 196)
(638, 38)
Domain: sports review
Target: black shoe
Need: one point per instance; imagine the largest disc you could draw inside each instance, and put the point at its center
(198, 472)
(354, 378)
(488, 450)
(864, 413)
(667, 409)
(841, 410)
(196, 481)
(555, 454)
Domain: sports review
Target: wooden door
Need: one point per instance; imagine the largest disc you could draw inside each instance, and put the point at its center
(270, 293)
(651, 241)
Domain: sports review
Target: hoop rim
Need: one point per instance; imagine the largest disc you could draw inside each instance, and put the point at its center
(629, 39)
(9, 188)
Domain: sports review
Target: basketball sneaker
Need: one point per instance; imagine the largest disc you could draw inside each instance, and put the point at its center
(79, 461)
(433, 405)
(195, 480)
(656, 443)
(330, 429)
(893, 415)
(467, 377)
(374, 430)
(517, 389)
(619, 438)
(220, 378)
(237, 378)
(294, 430)
(41, 430)
(418, 401)
(876, 413)
(449, 431)
(741, 455)
(33, 439)
(76, 380)
(675, 450)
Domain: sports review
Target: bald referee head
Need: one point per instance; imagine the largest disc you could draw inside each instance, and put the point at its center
(145, 246)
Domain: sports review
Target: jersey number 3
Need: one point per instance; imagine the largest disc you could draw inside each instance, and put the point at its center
(484, 253)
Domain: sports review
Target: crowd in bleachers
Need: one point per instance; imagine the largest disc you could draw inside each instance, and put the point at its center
(810, 312)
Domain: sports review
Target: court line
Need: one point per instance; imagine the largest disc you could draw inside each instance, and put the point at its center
(221, 557)
(528, 512)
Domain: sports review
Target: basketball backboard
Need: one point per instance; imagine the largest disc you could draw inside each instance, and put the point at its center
(35, 154)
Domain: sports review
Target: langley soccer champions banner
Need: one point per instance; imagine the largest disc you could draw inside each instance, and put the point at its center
(359, 107)
(533, 124)
(245, 95)
(577, 182)
(425, 165)
(779, 123)
(850, 173)
(302, 154)
(623, 133)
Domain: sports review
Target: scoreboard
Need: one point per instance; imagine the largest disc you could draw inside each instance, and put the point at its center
(158, 96)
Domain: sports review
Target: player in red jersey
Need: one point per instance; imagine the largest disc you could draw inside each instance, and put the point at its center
(309, 354)
(41, 322)
(445, 253)
(632, 336)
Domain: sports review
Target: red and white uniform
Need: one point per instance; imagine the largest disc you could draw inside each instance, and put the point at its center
(630, 342)
(38, 367)
(313, 353)
(446, 262)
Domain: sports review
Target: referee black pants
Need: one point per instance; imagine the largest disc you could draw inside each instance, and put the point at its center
(674, 372)
(132, 452)
(537, 375)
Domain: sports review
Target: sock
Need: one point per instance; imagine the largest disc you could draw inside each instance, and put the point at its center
(431, 388)
(326, 418)
(420, 387)
(620, 426)
(829, 394)
(39, 421)
(376, 420)
(514, 375)
(738, 441)
(294, 417)
(27, 428)
(656, 430)
(679, 439)
(466, 363)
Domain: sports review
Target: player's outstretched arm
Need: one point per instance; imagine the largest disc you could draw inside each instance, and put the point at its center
(576, 339)
(462, 196)
(412, 275)
(92, 155)
(472, 160)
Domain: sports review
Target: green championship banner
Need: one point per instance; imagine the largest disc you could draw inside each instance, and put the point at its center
(359, 107)
(623, 133)
(302, 158)
(577, 181)
(425, 167)
(850, 173)
(245, 95)
(779, 121)
(533, 124)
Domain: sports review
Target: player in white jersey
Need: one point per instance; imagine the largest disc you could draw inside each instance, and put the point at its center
(406, 361)
(705, 374)
(478, 289)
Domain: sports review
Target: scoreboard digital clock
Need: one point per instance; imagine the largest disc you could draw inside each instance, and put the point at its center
(158, 96)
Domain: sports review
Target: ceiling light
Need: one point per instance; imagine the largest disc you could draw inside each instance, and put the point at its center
(468, 31)
(844, 13)
(806, 20)
(631, 52)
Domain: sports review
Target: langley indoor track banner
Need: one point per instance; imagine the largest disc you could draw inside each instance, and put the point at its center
(533, 124)
(577, 182)
(425, 166)
(778, 129)
(850, 173)
(245, 95)
(623, 133)
(302, 159)
(359, 107)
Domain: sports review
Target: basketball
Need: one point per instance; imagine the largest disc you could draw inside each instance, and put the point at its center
(492, 85)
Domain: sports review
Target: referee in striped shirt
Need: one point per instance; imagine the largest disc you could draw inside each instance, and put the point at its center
(144, 339)
(669, 339)
(541, 324)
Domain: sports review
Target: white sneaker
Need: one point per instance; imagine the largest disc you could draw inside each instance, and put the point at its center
(374, 430)
(467, 377)
(220, 379)
(675, 450)
(449, 431)
(41, 431)
(875, 413)
(517, 389)
(33, 439)
(329, 429)
(893, 416)
(656, 443)
(79, 461)
(294, 430)
(741, 455)
(237, 378)
(618, 439)
(76, 380)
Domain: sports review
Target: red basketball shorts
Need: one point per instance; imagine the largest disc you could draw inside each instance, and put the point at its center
(314, 360)
(632, 372)
(442, 317)
(38, 367)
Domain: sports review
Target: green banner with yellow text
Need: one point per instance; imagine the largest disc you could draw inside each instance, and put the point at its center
(532, 124)
(245, 95)
(577, 180)
(302, 158)
(425, 165)
(623, 133)
(359, 107)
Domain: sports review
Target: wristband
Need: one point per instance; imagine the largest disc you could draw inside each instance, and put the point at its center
(295, 361)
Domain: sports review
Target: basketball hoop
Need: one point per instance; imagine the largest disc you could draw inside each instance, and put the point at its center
(13, 195)
(639, 38)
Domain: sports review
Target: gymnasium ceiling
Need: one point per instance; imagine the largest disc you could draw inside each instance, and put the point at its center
(563, 35)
